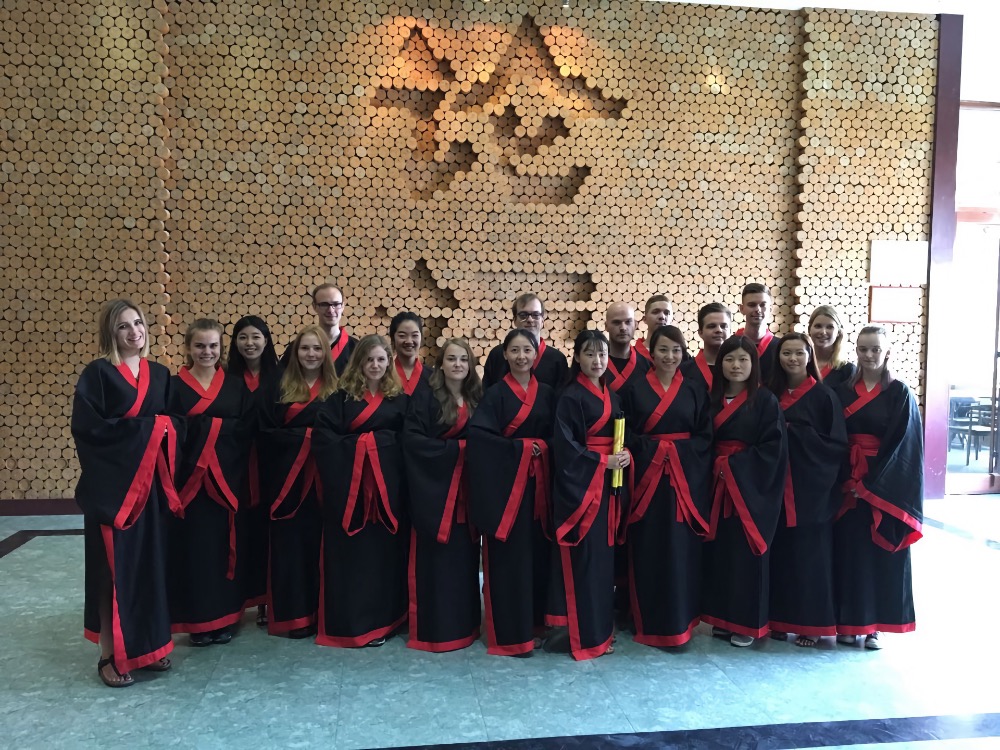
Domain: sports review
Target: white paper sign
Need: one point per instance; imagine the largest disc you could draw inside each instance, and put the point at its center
(898, 262)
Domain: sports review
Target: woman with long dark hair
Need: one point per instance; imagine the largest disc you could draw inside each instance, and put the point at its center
(802, 551)
(406, 334)
(508, 461)
(670, 436)
(751, 459)
(444, 612)
(126, 444)
(586, 512)
(882, 511)
(253, 361)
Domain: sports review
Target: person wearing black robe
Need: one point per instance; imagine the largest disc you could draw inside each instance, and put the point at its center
(365, 528)
(206, 594)
(751, 461)
(328, 304)
(127, 446)
(290, 483)
(624, 363)
(714, 322)
(406, 333)
(252, 360)
(670, 437)
(550, 365)
(507, 458)
(882, 512)
(755, 304)
(827, 334)
(443, 572)
(802, 551)
(586, 512)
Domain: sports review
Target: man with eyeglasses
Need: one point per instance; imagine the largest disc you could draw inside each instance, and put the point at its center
(328, 304)
(550, 365)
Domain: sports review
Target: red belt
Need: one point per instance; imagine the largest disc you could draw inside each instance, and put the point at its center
(666, 462)
(862, 447)
(605, 446)
(723, 499)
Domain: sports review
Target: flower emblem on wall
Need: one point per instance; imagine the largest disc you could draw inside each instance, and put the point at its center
(495, 104)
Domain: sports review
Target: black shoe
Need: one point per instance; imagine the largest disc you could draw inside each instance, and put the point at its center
(300, 633)
(375, 643)
(201, 639)
(222, 636)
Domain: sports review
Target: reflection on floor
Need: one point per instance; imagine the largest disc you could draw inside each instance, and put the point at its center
(266, 692)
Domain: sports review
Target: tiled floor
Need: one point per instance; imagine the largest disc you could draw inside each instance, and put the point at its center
(270, 692)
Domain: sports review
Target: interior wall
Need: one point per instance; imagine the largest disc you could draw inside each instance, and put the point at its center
(217, 159)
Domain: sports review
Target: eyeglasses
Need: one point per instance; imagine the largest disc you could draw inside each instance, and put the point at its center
(329, 305)
(525, 315)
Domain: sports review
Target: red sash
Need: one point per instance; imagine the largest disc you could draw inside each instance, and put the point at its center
(787, 400)
(140, 383)
(640, 347)
(368, 485)
(728, 496)
(252, 381)
(207, 395)
(864, 398)
(666, 462)
(621, 378)
(409, 383)
(295, 409)
(704, 367)
(527, 397)
(456, 505)
(338, 346)
(586, 512)
(304, 462)
(157, 461)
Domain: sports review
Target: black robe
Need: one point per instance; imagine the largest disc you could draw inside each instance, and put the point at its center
(127, 449)
(290, 487)
(254, 515)
(670, 438)
(767, 353)
(365, 528)
(443, 570)
(204, 536)
(418, 378)
(624, 370)
(802, 550)
(698, 371)
(550, 367)
(750, 467)
(508, 502)
(833, 378)
(340, 351)
(874, 531)
(586, 513)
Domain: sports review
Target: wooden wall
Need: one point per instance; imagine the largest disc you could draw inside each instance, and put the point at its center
(219, 159)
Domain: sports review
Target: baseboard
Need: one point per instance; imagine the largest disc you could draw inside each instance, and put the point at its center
(56, 506)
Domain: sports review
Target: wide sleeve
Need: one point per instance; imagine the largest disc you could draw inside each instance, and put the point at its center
(894, 484)
(817, 448)
(284, 460)
(494, 368)
(433, 465)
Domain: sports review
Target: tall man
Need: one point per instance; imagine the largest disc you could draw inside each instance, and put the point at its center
(714, 323)
(755, 304)
(328, 304)
(623, 362)
(659, 311)
(550, 366)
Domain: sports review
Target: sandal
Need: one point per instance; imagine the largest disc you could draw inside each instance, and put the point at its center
(124, 680)
(160, 665)
(609, 650)
(805, 641)
(872, 642)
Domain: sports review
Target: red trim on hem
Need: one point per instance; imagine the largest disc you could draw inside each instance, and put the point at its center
(284, 626)
(594, 652)
(440, 647)
(146, 659)
(514, 650)
(411, 580)
(812, 631)
(734, 628)
(358, 641)
(668, 640)
(91, 636)
(256, 601)
(557, 621)
(908, 627)
(204, 627)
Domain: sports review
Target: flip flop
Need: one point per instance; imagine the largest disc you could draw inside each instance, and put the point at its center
(125, 680)
(160, 665)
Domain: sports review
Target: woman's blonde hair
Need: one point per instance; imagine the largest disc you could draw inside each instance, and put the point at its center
(837, 357)
(203, 324)
(353, 380)
(294, 389)
(107, 344)
(472, 386)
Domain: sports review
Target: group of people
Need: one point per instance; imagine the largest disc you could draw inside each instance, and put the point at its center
(350, 492)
